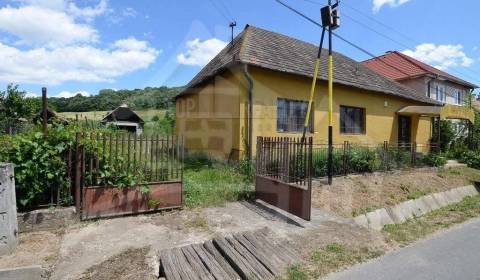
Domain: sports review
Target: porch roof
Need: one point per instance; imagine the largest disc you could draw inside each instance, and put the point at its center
(447, 111)
(421, 110)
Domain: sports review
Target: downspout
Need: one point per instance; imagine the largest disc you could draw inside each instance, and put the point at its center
(250, 110)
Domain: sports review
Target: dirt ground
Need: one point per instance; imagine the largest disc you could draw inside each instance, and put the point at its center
(127, 247)
(353, 195)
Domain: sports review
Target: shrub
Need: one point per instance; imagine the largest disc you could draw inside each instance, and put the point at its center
(435, 159)
(246, 168)
(39, 164)
(471, 158)
(362, 159)
(198, 160)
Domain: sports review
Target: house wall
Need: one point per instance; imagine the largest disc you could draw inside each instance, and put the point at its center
(381, 117)
(209, 117)
(421, 85)
(213, 118)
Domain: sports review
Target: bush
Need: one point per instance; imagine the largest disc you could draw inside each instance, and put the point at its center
(435, 159)
(362, 159)
(40, 165)
(198, 160)
(246, 168)
(471, 158)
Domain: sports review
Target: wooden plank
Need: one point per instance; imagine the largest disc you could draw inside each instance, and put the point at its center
(196, 263)
(168, 266)
(268, 250)
(268, 262)
(289, 252)
(182, 265)
(236, 260)
(212, 265)
(210, 248)
(251, 258)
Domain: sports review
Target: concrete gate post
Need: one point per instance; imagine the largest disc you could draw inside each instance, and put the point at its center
(8, 210)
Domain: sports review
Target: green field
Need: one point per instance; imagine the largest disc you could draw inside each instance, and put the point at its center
(146, 115)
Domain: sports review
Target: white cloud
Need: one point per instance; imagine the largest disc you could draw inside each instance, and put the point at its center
(131, 44)
(74, 63)
(42, 26)
(378, 4)
(200, 52)
(69, 7)
(68, 94)
(440, 56)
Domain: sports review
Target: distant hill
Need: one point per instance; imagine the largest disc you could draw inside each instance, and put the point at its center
(108, 99)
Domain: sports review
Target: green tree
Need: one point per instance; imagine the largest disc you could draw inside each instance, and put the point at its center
(16, 109)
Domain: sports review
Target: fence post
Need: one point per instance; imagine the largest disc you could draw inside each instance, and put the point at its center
(344, 161)
(414, 153)
(385, 155)
(78, 171)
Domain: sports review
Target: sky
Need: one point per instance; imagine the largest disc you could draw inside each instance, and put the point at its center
(83, 46)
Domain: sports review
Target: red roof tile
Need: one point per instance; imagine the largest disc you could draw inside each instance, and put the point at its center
(398, 66)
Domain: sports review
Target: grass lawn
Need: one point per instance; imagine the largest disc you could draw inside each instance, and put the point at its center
(214, 186)
(445, 217)
(337, 256)
(328, 259)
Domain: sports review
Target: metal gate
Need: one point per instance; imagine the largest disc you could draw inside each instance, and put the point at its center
(284, 174)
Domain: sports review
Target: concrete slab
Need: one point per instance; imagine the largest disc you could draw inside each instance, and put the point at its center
(378, 218)
(441, 199)
(407, 209)
(420, 207)
(471, 190)
(396, 214)
(431, 203)
(361, 221)
(23, 273)
(8, 210)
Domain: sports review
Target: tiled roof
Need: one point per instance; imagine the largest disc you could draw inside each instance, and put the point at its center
(277, 52)
(398, 66)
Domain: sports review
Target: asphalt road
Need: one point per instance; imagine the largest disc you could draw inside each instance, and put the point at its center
(453, 254)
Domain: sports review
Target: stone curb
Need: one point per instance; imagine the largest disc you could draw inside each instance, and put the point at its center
(399, 213)
(34, 272)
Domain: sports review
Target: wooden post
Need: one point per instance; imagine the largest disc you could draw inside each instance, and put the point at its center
(78, 171)
(44, 111)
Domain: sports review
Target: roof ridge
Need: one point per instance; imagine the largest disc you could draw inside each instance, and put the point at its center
(412, 60)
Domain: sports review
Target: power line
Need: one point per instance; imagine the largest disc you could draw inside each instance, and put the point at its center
(220, 11)
(351, 43)
(392, 39)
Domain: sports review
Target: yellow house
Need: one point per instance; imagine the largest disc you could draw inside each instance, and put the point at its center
(259, 84)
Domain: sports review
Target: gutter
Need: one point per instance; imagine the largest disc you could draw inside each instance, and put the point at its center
(250, 110)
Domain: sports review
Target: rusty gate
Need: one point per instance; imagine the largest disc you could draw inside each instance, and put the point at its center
(284, 174)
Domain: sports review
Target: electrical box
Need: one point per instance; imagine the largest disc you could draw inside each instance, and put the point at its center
(327, 17)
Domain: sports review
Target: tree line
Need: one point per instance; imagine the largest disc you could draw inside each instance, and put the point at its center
(109, 99)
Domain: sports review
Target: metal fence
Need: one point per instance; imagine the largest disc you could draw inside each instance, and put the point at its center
(361, 158)
(292, 161)
(286, 159)
(119, 157)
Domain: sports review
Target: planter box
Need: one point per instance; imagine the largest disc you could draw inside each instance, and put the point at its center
(110, 201)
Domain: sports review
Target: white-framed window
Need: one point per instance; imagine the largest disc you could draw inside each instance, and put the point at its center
(459, 97)
(440, 93)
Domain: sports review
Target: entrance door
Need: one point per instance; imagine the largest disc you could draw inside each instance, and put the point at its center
(404, 130)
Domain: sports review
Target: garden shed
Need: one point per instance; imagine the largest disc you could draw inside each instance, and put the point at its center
(124, 118)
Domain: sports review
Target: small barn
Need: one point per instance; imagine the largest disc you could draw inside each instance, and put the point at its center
(124, 118)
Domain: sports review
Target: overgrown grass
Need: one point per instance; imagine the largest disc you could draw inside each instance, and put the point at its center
(445, 217)
(214, 186)
(471, 174)
(330, 258)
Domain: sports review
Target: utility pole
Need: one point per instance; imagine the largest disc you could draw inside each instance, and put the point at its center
(330, 18)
